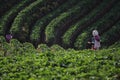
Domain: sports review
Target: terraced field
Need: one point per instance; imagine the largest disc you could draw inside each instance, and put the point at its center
(68, 23)
(59, 30)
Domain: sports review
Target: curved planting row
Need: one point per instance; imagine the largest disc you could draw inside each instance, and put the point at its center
(106, 22)
(68, 23)
(81, 9)
(5, 5)
(26, 18)
(8, 18)
(18, 24)
(66, 37)
(93, 20)
(112, 35)
(73, 19)
(37, 35)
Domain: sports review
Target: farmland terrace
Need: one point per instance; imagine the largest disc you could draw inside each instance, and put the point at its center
(68, 23)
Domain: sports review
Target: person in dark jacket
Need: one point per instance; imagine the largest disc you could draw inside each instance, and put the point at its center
(8, 37)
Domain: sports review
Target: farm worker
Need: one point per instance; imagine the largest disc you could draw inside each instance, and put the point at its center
(8, 37)
(96, 40)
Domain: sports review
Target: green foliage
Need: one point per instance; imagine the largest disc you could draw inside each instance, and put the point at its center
(21, 61)
(65, 22)
(20, 25)
(15, 47)
(28, 47)
(27, 17)
(116, 44)
(56, 23)
(42, 23)
(43, 48)
(111, 35)
(11, 14)
(100, 25)
(56, 47)
(2, 39)
(61, 64)
(81, 44)
(66, 37)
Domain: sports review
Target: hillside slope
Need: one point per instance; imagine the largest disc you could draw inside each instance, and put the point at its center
(68, 23)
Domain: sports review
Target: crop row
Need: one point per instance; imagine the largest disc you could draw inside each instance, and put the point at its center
(115, 45)
(37, 33)
(26, 18)
(112, 35)
(5, 5)
(11, 14)
(66, 37)
(93, 20)
(58, 64)
(106, 22)
(53, 27)
(68, 23)
(19, 23)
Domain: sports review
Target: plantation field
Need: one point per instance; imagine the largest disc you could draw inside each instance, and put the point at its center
(50, 37)
(23, 62)
(68, 23)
